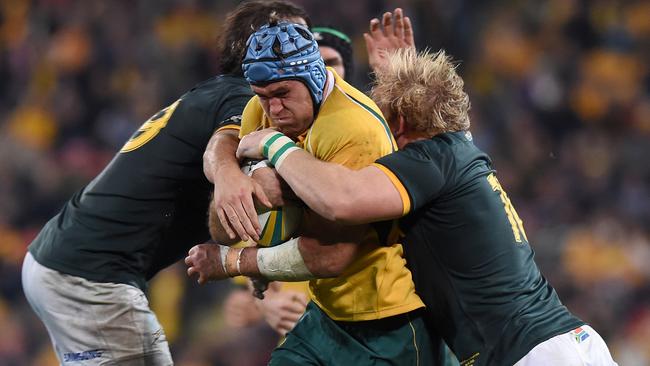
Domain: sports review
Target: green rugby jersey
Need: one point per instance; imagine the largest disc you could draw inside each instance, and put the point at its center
(149, 205)
(471, 261)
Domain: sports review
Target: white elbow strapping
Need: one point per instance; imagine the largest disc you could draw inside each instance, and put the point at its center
(283, 263)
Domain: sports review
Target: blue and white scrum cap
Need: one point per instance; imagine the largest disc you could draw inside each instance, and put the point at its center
(285, 51)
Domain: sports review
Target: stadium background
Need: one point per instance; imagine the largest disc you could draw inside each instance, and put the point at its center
(560, 95)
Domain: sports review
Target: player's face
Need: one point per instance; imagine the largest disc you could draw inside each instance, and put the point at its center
(333, 59)
(288, 104)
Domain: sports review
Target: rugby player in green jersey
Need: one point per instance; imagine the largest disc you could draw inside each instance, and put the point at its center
(471, 260)
(86, 272)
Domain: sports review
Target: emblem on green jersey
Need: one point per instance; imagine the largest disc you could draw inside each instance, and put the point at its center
(149, 129)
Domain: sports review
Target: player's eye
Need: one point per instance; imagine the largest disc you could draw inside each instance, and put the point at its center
(333, 62)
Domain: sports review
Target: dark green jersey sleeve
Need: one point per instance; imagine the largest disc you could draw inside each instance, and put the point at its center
(422, 177)
(427, 169)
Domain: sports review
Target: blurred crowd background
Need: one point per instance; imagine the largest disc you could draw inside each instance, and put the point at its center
(560, 93)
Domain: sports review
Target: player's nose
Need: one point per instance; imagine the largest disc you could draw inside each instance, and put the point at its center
(275, 105)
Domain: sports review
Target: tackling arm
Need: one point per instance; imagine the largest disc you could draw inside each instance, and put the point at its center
(284, 262)
(299, 259)
(233, 190)
(332, 190)
(341, 194)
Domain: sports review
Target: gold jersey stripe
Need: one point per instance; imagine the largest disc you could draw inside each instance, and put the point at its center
(376, 115)
(406, 200)
(228, 127)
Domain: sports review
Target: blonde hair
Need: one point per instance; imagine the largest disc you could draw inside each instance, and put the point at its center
(424, 88)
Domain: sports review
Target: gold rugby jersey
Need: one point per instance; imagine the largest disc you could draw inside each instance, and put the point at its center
(350, 130)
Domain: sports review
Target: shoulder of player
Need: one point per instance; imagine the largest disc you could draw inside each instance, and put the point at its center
(254, 105)
(448, 149)
(444, 143)
(253, 111)
(345, 94)
(210, 93)
(346, 113)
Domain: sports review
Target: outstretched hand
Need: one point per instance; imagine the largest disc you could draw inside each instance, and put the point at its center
(394, 33)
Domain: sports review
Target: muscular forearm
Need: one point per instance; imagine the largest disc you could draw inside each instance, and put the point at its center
(298, 260)
(328, 189)
(219, 155)
(334, 191)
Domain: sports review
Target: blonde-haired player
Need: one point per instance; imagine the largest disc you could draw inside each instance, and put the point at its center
(472, 263)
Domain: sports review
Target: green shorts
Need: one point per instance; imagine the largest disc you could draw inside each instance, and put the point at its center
(319, 340)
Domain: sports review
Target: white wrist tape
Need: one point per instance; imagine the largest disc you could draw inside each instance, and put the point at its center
(283, 263)
(249, 167)
(223, 251)
(276, 147)
(260, 164)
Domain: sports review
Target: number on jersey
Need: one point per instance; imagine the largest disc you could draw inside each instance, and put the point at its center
(513, 218)
(150, 129)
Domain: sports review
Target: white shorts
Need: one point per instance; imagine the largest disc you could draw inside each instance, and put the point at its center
(582, 346)
(94, 323)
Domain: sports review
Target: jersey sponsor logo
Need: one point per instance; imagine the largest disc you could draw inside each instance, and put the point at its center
(150, 129)
(82, 356)
(230, 123)
(515, 222)
(579, 335)
(233, 120)
(471, 360)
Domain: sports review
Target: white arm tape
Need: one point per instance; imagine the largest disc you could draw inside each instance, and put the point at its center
(260, 164)
(223, 252)
(283, 263)
(250, 166)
